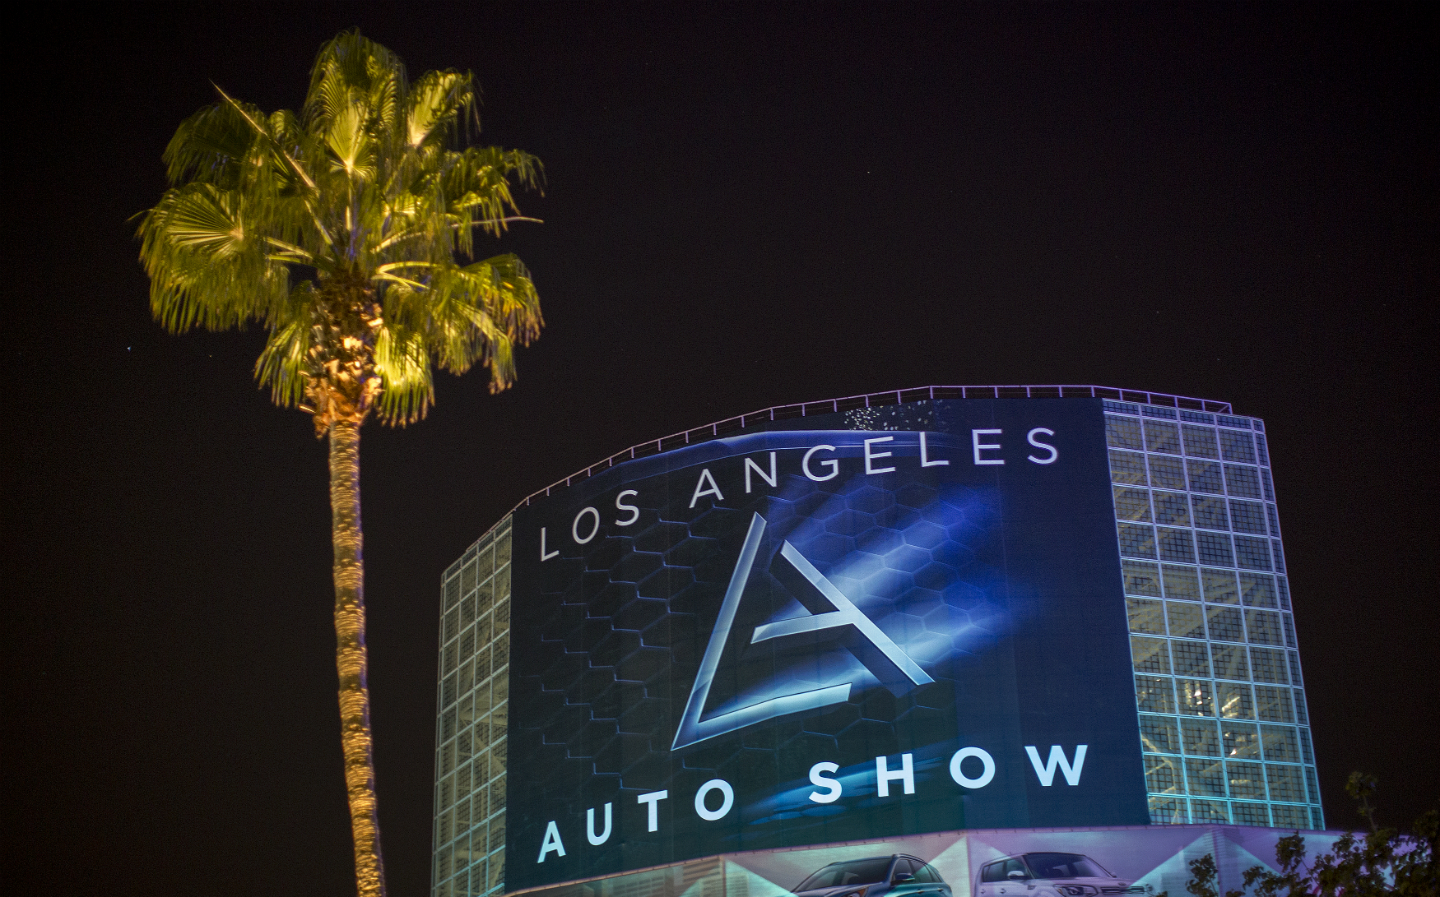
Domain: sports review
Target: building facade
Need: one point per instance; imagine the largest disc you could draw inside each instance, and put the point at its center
(1189, 573)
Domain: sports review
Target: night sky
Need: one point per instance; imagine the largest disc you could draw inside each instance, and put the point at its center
(744, 207)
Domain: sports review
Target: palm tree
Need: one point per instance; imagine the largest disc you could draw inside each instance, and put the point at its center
(338, 229)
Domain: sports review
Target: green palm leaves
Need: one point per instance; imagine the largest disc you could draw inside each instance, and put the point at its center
(343, 230)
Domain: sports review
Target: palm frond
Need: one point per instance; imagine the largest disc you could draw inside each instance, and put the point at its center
(304, 222)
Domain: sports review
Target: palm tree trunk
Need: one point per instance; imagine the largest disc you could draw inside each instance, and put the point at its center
(350, 657)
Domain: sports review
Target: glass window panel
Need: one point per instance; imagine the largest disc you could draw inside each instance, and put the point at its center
(1250, 814)
(1159, 734)
(1261, 452)
(452, 591)
(1284, 589)
(467, 577)
(1137, 540)
(1205, 477)
(1286, 783)
(1242, 481)
(1209, 512)
(1312, 786)
(1257, 589)
(1209, 811)
(1201, 737)
(447, 724)
(1279, 555)
(1194, 697)
(1220, 586)
(1155, 694)
(1176, 545)
(1163, 775)
(478, 879)
(467, 676)
(1205, 778)
(1289, 817)
(1214, 549)
(1273, 703)
(482, 699)
(502, 591)
(1263, 626)
(447, 690)
(497, 868)
(1141, 578)
(1269, 665)
(483, 669)
(1225, 623)
(1252, 553)
(1186, 620)
(1242, 740)
(1166, 473)
(1172, 508)
(1274, 520)
(1247, 780)
(1182, 583)
(463, 744)
(1287, 624)
(1146, 615)
(502, 550)
(1168, 811)
(1132, 505)
(1162, 436)
(480, 803)
(1266, 482)
(462, 782)
(447, 759)
(1122, 432)
(1237, 447)
(1200, 441)
(1149, 654)
(497, 823)
(1191, 658)
(1247, 516)
(1281, 744)
(1295, 668)
(1234, 700)
(1300, 715)
(485, 596)
(1230, 662)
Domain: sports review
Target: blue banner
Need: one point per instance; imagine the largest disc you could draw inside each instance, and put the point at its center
(881, 622)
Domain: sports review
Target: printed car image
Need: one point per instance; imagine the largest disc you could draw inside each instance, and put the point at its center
(892, 876)
(1048, 875)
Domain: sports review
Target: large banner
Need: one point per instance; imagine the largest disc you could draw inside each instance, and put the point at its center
(882, 622)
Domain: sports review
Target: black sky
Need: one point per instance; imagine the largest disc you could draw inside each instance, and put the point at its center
(745, 206)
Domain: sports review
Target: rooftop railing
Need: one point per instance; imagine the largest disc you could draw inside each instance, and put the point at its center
(875, 400)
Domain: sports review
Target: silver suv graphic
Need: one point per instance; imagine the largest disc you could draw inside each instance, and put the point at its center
(1049, 875)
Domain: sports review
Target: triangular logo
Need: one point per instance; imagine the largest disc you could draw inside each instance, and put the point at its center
(892, 666)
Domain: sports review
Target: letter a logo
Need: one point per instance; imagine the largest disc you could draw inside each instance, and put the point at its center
(892, 666)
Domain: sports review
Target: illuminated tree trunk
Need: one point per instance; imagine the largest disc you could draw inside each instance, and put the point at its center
(350, 656)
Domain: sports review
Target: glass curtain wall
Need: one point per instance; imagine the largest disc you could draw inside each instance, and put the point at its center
(1218, 686)
(469, 833)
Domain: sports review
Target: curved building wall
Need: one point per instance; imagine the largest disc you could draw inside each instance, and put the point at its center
(928, 611)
